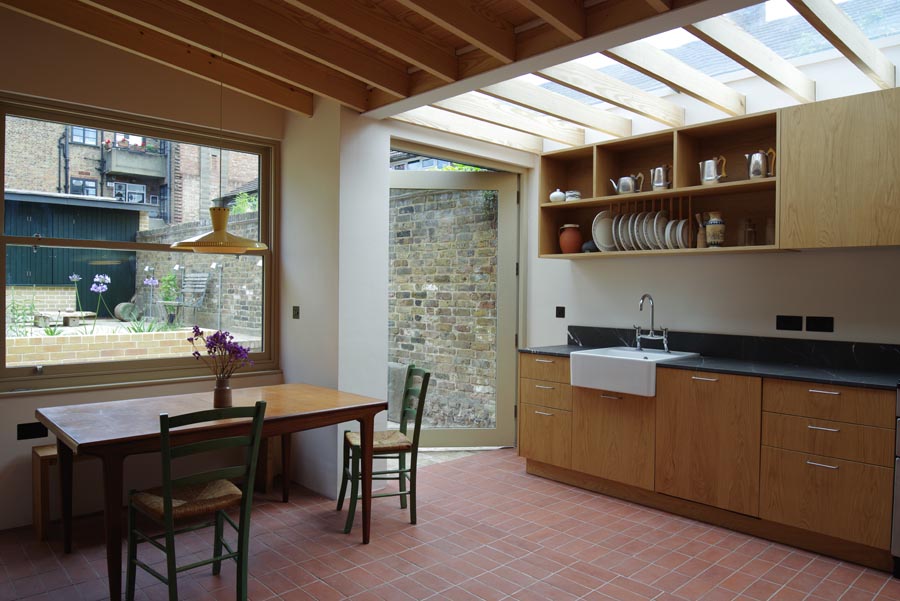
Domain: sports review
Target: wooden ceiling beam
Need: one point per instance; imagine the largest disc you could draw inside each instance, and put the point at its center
(662, 66)
(498, 112)
(565, 16)
(556, 105)
(842, 33)
(304, 35)
(373, 25)
(147, 43)
(187, 24)
(753, 55)
(593, 83)
(467, 127)
(471, 21)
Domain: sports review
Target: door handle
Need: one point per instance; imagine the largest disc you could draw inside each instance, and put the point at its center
(699, 379)
(831, 467)
(831, 392)
(542, 387)
(611, 396)
(823, 429)
(543, 360)
(543, 413)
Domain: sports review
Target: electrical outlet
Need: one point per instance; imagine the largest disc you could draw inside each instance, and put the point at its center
(560, 312)
(295, 312)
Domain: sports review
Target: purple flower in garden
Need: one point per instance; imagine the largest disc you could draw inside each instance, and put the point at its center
(151, 281)
(223, 355)
(102, 278)
(74, 278)
(99, 288)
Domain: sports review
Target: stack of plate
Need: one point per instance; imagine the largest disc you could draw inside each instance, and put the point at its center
(651, 230)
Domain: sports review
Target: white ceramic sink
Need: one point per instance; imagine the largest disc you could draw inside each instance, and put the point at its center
(620, 369)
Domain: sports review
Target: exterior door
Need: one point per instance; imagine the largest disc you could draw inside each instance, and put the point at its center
(453, 300)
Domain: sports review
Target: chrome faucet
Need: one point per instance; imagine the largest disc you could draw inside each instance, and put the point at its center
(651, 335)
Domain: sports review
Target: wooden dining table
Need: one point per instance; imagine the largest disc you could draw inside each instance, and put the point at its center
(116, 429)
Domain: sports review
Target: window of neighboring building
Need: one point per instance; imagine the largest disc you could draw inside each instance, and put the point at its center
(85, 187)
(84, 135)
(101, 298)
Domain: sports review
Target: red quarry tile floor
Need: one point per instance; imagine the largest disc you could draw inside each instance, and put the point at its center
(486, 530)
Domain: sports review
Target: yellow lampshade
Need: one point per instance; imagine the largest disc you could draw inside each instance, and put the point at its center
(219, 241)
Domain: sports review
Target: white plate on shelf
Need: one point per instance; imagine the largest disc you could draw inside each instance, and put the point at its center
(649, 231)
(624, 231)
(601, 229)
(660, 221)
(615, 232)
(681, 235)
(670, 234)
(637, 232)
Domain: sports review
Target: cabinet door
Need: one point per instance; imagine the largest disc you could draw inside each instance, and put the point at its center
(545, 435)
(612, 436)
(845, 499)
(707, 438)
(838, 172)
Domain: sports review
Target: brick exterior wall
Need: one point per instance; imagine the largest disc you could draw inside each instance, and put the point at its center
(241, 299)
(443, 297)
(32, 158)
(45, 298)
(55, 350)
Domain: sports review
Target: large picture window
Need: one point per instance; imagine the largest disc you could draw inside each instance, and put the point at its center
(92, 287)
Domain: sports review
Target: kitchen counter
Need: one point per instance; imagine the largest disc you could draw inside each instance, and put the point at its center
(746, 367)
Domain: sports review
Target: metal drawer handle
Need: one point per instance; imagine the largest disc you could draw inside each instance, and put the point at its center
(543, 413)
(831, 467)
(831, 392)
(698, 378)
(611, 396)
(544, 360)
(543, 387)
(823, 429)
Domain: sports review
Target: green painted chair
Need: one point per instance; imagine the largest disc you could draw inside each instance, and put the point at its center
(192, 498)
(391, 444)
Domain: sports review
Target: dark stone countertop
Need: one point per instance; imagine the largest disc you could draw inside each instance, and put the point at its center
(745, 367)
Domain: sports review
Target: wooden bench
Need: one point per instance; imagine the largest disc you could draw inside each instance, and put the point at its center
(43, 319)
(44, 457)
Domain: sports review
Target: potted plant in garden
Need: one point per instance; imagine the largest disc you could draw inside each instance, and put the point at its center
(168, 294)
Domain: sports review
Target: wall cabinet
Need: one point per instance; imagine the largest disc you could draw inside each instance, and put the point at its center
(840, 164)
(707, 438)
(741, 201)
(827, 459)
(613, 436)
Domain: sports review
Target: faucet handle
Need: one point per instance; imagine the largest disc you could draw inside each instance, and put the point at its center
(665, 337)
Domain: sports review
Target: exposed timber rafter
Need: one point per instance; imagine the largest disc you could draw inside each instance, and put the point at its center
(842, 33)
(565, 16)
(141, 41)
(515, 117)
(747, 51)
(661, 66)
(434, 118)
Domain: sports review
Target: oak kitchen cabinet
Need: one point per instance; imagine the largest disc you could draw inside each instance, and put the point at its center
(545, 409)
(839, 169)
(707, 438)
(827, 459)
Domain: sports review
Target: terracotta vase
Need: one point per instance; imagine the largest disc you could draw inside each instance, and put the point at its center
(715, 230)
(570, 239)
(222, 393)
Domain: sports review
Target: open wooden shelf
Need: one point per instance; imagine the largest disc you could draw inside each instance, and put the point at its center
(668, 252)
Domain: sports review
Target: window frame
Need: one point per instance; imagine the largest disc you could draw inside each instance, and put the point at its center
(84, 180)
(147, 371)
(84, 129)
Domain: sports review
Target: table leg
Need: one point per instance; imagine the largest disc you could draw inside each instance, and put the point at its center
(366, 435)
(112, 513)
(285, 467)
(64, 455)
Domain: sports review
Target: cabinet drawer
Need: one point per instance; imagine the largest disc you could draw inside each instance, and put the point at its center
(865, 406)
(545, 435)
(544, 367)
(547, 394)
(832, 439)
(840, 498)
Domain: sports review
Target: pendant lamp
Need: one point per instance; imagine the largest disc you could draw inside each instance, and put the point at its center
(219, 241)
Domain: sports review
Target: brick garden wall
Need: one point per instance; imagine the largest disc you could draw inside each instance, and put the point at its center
(45, 298)
(442, 299)
(52, 350)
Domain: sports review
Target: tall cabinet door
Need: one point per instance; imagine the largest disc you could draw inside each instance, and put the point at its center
(839, 172)
(708, 437)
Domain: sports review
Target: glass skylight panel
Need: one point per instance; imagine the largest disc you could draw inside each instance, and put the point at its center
(877, 18)
(694, 53)
(777, 25)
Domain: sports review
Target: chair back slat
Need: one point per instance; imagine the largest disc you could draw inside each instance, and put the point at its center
(417, 380)
(246, 471)
(211, 445)
(223, 473)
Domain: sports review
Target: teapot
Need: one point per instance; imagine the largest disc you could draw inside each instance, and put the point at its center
(628, 184)
(709, 170)
(659, 177)
(761, 164)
